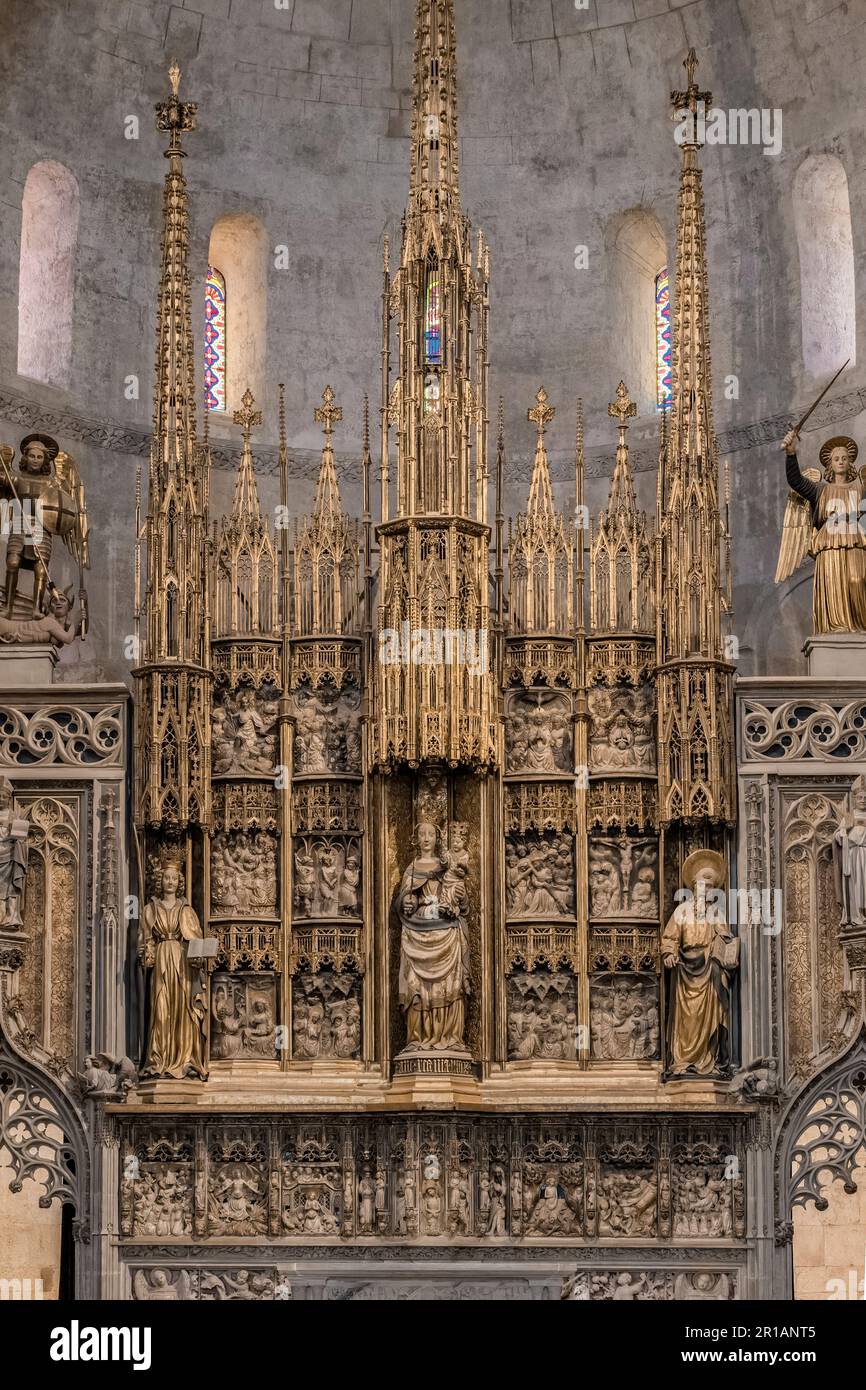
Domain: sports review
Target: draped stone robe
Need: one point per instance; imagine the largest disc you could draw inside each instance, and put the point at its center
(176, 1040)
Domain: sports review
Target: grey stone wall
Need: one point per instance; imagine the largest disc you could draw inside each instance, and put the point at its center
(303, 122)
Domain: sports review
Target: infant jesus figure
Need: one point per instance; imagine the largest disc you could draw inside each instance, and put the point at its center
(456, 860)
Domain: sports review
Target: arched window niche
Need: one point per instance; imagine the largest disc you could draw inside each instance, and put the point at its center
(825, 238)
(637, 266)
(238, 254)
(46, 283)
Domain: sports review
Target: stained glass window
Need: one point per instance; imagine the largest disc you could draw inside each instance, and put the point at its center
(433, 319)
(663, 339)
(215, 340)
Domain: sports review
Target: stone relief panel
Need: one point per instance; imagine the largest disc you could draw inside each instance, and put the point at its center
(328, 732)
(243, 1017)
(327, 877)
(707, 1198)
(540, 876)
(538, 733)
(157, 1188)
(244, 874)
(224, 1285)
(326, 1016)
(244, 736)
(622, 736)
(238, 1187)
(542, 1016)
(623, 878)
(812, 953)
(424, 1178)
(624, 1018)
(641, 1286)
(628, 1192)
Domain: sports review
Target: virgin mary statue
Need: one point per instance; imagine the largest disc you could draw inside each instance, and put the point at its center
(178, 1006)
(434, 951)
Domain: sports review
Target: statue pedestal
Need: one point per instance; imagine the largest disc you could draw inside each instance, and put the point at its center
(440, 1080)
(12, 944)
(837, 656)
(22, 664)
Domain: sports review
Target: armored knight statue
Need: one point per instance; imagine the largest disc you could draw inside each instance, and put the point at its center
(178, 992)
(44, 500)
(434, 950)
(850, 847)
(824, 519)
(701, 953)
(13, 856)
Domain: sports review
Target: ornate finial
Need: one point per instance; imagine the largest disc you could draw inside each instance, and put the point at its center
(366, 424)
(500, 437)
(623, 408)
(386, 256)
(248, 418)
(282, 389)
(579, 442)
(328, 414)
(176, 116)
(543, 413)
(692, 97)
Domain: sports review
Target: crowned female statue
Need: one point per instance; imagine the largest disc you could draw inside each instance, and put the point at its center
(434, 950)
(825, 518)
(700, 951)
(178, 996)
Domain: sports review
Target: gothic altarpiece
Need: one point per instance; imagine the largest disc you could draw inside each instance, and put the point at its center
(394, 933)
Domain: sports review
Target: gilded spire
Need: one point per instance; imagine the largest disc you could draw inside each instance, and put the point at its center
(435, 174)
(696, 768)
(540, 492)
(175, 395)
(542, 547)
(246, 503)
(621, 556)
(328, 414)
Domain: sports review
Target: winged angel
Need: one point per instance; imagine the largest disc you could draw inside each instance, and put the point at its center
(826, 518)
(45, 499)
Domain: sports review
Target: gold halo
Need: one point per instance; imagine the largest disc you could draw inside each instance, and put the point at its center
(704, 859)
(839, 441)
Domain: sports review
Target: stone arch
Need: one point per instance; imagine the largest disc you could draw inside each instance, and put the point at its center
(637, 252)
(238, 249)
(828, 287)
(44, 1136)
(822, 1141)
(46, 277)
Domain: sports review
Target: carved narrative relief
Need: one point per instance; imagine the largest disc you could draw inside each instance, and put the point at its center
(627, 1193)
(327, 877)
(243, 874)
(238, 1189)
(158, 1186)
(243, 1017)
(328, 732)
(623, 878)
(624, 1017)
(538, 733)
(244, 733)
(627, 1286)
(622, 739)
(539, 875)
(542, 1016)
(326, 1016)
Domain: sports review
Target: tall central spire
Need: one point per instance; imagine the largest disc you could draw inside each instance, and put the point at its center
(435, 176)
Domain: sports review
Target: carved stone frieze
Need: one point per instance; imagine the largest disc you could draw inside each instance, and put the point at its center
(803, 729)
(538, 733)
(62, 734)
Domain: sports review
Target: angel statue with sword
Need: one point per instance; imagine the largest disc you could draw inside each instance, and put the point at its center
(826, 518)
